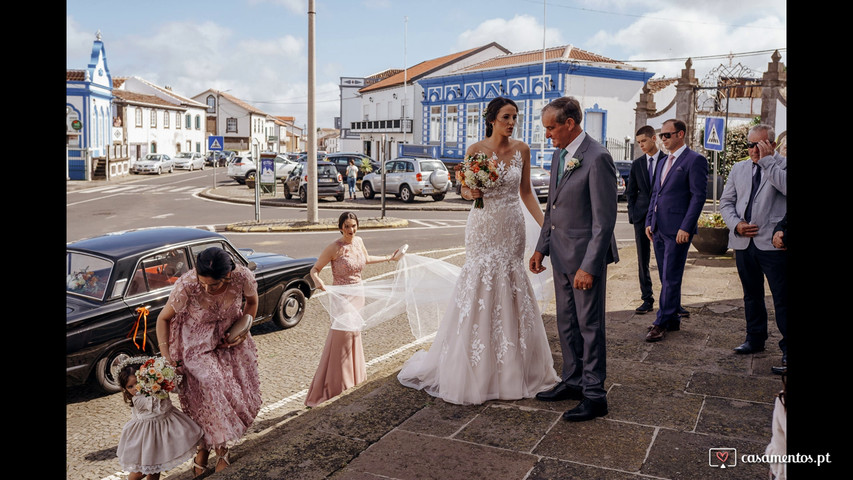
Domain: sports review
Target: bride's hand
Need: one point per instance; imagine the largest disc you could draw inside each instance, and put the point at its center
(475, 193)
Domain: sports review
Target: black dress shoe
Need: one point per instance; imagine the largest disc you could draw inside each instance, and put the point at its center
(747, 347)
(586, 410)
(645, 308)
(682, 312)
(783, 370)
(561, 391)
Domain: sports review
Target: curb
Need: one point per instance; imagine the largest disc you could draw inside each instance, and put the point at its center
(303, 226)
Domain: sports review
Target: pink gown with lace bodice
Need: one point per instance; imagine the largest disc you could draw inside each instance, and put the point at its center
(342, 363)
(221, 388)
(491, 343)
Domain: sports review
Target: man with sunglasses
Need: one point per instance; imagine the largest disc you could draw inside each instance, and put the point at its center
(678, 195)
(754, 200)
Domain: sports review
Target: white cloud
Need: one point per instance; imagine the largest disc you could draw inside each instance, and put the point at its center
(78, 44)
(521, 33)
(295, 6)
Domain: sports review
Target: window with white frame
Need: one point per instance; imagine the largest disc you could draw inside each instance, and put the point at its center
(518, 131)
(435, 124)
(138, 117)
(537, 132)
(153, 118)
(166, 118)
(189, 146)
(198, 147)
(189, 123)
(198, 122)
(451, 124)
(211, 104)
(472, 128)
(231, 125)
(178, 120)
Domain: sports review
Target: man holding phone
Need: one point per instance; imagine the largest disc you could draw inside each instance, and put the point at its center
(754, 200)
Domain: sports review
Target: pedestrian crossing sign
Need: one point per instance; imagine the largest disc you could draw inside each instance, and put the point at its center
(715, 130)
(215, 143)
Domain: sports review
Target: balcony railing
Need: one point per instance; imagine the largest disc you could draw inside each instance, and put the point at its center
(382, 126)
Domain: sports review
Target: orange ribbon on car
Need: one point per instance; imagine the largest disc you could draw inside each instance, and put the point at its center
(143, 315)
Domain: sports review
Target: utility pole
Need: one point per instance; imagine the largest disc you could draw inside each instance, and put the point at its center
(312, 122)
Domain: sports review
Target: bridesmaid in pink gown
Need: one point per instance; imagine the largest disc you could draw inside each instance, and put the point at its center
(342, 364)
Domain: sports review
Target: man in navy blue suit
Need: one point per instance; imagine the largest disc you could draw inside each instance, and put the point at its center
(676, 202)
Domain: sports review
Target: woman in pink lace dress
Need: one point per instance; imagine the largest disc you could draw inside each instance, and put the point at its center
(220, 389)
(342, 363)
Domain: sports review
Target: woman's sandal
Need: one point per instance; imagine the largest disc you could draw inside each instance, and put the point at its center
(223, 458)
(196, 466)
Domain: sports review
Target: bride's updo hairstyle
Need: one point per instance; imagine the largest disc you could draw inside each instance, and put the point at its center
(214, 262)
(347, 216)
(491, 113)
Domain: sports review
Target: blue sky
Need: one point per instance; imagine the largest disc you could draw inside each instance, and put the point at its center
(258, 49)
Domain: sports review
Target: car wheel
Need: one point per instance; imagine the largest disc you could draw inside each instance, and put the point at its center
(406, 194)
(367, 191)
(287, 194)
(159, 171)
(250, 174)
(171, 169)
(202, 167)
(191, 167)
(290, 308)
(303, 195)
(103, 369)
(438, 197)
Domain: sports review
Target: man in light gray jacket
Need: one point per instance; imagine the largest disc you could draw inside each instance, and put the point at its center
(578, 236)
(754, 200)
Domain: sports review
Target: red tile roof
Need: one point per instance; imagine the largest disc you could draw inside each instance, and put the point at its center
(566, 52)
(425, 68)
(75, 75)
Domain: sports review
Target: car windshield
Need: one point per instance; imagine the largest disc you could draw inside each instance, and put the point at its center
(183, 155)
(87, 275)
(327, 171)
(153, 158)
(431, 165)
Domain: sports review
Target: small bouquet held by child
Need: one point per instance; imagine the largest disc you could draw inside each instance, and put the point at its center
(480, 172)
(156, 378)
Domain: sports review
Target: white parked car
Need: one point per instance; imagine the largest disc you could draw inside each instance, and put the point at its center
(407, 177)
(244, 167)
(189, 161)
(154, 163)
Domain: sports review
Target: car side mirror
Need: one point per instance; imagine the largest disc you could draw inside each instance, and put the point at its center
(252, 266)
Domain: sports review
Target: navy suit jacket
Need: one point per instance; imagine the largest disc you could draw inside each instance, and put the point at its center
(639, 189)
(677, 202)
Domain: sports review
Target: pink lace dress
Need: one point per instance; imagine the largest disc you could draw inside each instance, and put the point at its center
(221, 389)
(342, 363)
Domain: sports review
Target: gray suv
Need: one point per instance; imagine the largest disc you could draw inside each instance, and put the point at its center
(329, 182)
(408, 177)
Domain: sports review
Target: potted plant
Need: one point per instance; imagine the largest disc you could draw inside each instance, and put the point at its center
(712, 237)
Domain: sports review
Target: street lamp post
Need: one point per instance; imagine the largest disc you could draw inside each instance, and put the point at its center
(312, 122)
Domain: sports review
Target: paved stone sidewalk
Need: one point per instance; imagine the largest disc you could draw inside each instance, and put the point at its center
(670, 402)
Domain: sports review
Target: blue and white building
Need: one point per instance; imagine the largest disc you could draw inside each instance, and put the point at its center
(453, 104)
(88, 112)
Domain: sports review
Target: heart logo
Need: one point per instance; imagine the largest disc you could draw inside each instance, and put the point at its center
(722, 456)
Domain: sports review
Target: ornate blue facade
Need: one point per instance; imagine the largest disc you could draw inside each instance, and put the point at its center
(453, 104)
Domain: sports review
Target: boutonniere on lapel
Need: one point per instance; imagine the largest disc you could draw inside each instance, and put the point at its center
(573, 163)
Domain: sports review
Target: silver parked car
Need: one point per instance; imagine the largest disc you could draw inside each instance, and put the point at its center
(154, 163)
(408, 177)
(189, 161)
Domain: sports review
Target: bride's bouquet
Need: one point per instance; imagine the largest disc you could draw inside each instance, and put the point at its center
(480, 172)
(156, 378)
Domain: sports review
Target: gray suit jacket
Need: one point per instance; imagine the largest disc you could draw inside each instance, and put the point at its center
(580, 215)
(770, 202)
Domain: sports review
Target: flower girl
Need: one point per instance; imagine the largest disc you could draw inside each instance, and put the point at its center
(158, 436)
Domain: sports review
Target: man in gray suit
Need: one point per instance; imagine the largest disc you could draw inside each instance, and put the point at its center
(578, 236)
(754, 200)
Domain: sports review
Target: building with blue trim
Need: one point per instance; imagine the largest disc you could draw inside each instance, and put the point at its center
(453, 104)
(88, 113)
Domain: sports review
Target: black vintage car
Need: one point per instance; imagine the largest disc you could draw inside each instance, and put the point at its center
(111, 278)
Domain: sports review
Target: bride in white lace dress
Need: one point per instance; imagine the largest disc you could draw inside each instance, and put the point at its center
(491, 343)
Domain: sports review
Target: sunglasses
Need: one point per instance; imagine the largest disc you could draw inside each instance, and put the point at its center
(667, 134)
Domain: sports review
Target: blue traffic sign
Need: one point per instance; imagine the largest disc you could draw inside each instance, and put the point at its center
(215, 143)
(715, 131)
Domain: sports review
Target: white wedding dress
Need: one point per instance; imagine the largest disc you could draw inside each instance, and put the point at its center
(491, 342)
